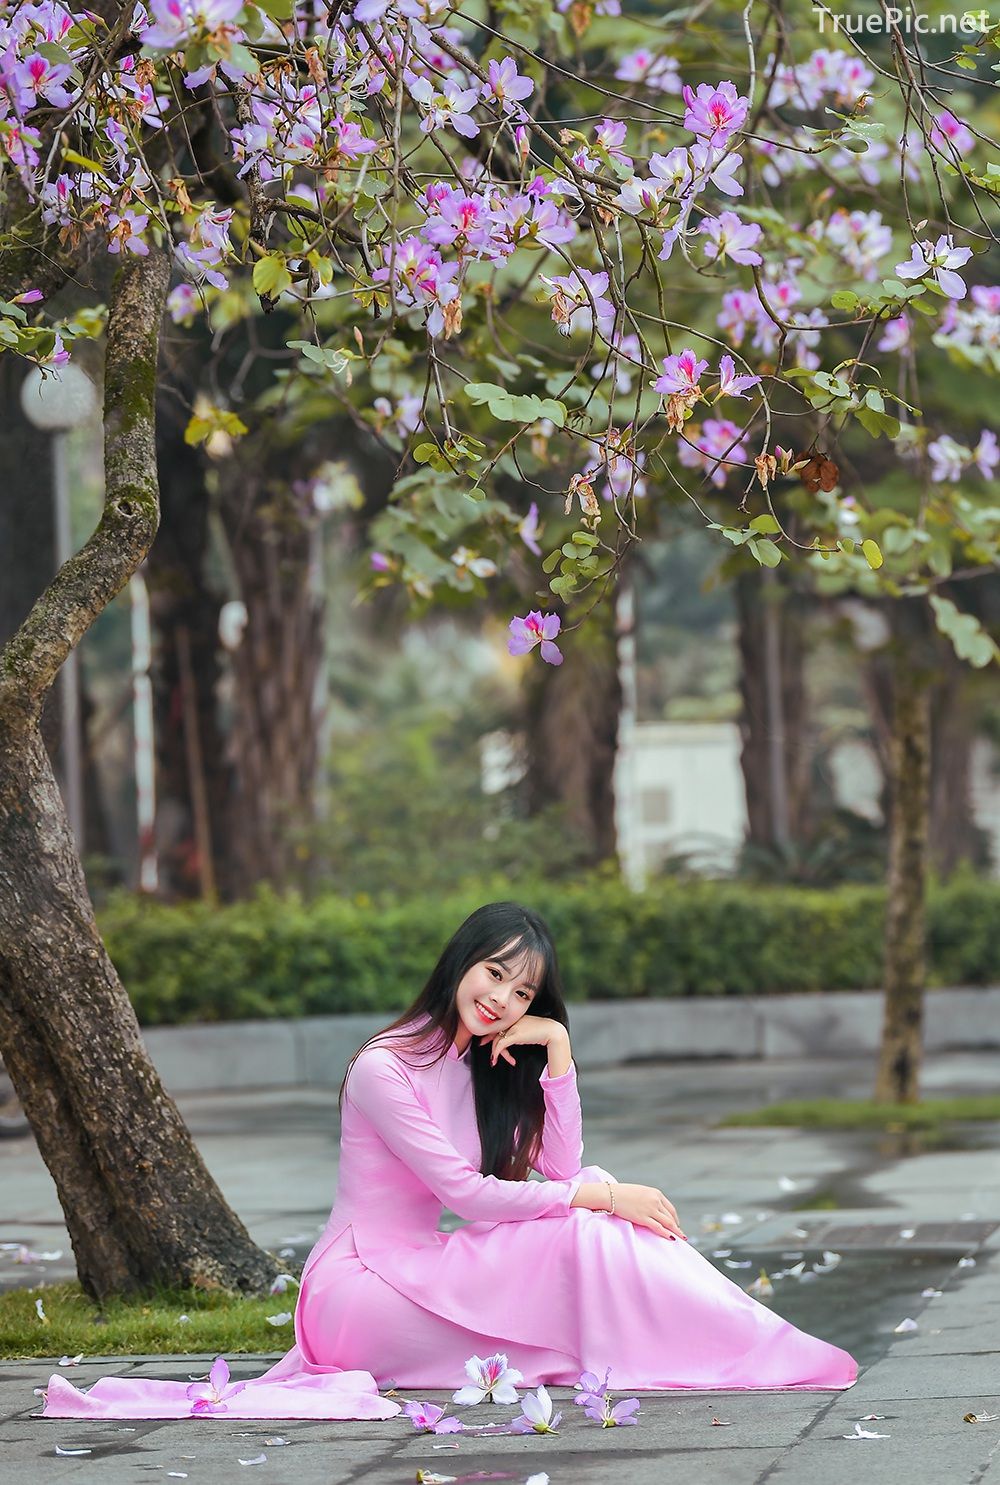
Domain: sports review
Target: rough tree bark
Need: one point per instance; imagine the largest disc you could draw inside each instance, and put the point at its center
(139, 1204)
(773, 717)
(571, 735)
(911, 652)
(276, 724)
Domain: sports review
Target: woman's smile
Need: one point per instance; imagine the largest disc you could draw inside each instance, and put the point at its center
(485, 1014)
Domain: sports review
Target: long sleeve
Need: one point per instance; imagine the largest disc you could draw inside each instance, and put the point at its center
(380, 1090)
(561, 1154)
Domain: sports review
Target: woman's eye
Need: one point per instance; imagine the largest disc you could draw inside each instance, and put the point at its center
(523, 994)
(496, 974)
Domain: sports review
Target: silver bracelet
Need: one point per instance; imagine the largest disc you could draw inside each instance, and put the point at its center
(611, 1193)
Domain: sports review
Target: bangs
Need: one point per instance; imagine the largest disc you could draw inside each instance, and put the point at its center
(526, 950)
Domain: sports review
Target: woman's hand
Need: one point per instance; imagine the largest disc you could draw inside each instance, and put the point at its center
(531, 1031)
(646, 1206)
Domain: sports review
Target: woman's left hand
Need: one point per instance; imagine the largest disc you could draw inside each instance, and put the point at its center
(531, 1031)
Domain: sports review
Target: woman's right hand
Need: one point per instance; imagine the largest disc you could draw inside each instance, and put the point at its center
(646, 1206)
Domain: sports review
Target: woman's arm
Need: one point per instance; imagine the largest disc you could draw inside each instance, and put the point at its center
(378, 1087)
(561, 1152)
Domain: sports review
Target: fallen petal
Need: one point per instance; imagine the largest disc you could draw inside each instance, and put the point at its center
(721, 1423)
(966, 1263)
(931, 1293)
(261, 1459)
(865, 1433)
(873, 1418)
(282, 1318)
(60, 1450)
(904, 1326)
(981, 1417)
(71, 1360)
(275, 1443)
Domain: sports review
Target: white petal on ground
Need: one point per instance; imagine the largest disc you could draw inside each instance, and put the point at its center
(907, 1232)
(541, 1479)
(176, 1474)
(282, 1318)
(981, 1417)
(904, 1326)
(966, 1263)
(261, 1459)
(865, 1433)
(468, 1396)
(761, 1286)
(721, 1423)
(71, 1360)
(787, 1184)
(183, 1320)
(931, 1293)
(60, 1450)
(429, 1477)
(721, 1252)
(730, 1219)
(275, 1443)
(739, 1263)
(40, 1312)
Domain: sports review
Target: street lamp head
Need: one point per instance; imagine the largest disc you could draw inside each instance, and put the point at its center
(56, 405)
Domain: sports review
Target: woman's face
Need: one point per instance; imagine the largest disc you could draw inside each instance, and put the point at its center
(492, 995)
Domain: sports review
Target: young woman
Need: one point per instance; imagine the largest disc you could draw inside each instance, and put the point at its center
(452, 1105)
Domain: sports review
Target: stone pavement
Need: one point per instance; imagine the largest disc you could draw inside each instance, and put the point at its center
(755, 1193)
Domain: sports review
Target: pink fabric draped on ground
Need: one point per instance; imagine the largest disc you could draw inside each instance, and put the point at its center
(388, 1300)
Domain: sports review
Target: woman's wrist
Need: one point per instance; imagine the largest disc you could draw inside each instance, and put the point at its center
(560, 1053)
(596, 1196)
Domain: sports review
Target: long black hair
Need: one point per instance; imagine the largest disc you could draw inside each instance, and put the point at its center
(510, 1105)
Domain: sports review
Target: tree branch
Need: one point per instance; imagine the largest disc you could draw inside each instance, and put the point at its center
(88, 581)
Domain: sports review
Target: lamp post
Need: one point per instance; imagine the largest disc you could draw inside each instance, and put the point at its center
(56, 406)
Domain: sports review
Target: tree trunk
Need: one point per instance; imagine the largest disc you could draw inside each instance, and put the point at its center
(276, 706)
(773, 718)
(898, 1076)
(954, 836)
(139, 1204)
(572, 735)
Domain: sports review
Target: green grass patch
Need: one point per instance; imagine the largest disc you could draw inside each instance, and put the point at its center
(223, 1324)
(844, 1113)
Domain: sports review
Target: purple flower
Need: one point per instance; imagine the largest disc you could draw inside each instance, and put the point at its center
(506, 86)
(987, 453)
(528, 530)
(730, 238)
(940, 259)
(714, 114)
(731, 385)
(525, 633)
(948, 458)
(175, 21)
(681, 373)
(951, 136)
(895, 334)
(447, 109)
(656, 71)
(211, 1397)
(380, 562)
(429, 1418)
(536, 1416)
(577, 298)
(591, 1390)
(607, 1416)
(125, 228)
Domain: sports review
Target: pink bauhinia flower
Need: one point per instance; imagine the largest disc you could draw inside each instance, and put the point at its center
(429, 1418)
(729, 237)
(490, 1378)
(951, 136)
(506, 86)
(987, 453)
(681, 373)
(536, 1415)
(939, 260)
(534, 629)
(610, 1415)
(895, 334)
(175, 21)
(714, 114)
(527, 529)
(731, 385)
(591, 1388)
(212, 1397)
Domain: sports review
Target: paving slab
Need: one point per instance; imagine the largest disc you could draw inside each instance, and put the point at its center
(648, 1123)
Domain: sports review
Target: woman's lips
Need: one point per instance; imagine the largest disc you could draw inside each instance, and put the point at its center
(485, 1015)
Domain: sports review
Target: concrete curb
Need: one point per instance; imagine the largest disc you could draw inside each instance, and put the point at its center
(314, 1051)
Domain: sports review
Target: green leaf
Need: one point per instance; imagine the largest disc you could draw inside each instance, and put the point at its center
(767, 554)
(872, 553)
(552, 561)
(845, 299)
(425, 452)
(270, 276)
(765, 525)
(514, 408)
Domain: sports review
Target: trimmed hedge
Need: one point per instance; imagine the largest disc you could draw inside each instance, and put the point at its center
(281, 956)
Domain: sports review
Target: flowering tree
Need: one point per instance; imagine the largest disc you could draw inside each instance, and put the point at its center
(566, 262)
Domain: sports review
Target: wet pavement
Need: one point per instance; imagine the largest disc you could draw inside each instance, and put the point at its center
(756, 1197)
